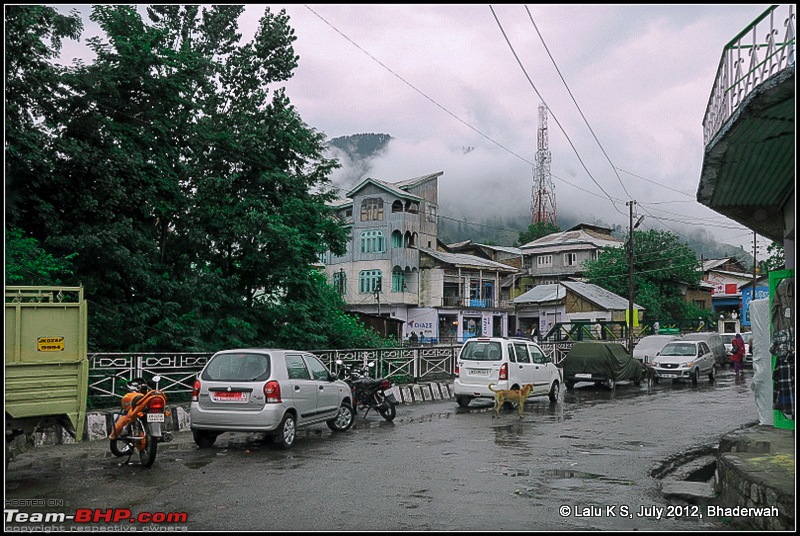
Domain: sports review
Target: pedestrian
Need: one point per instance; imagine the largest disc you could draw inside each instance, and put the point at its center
(519, 333)
(413, 339)
(737, 355)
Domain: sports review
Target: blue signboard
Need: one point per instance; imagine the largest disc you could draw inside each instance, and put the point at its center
(761, 292)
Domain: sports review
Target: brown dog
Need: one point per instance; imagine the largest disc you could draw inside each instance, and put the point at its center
(518, 396)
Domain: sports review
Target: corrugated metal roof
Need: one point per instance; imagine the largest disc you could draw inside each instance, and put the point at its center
(542, 294)
(471, 261)
(602, 297)
(571, 238)
(507, 249)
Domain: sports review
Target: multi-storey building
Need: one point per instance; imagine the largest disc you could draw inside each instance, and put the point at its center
(560, 256)
(395, 267)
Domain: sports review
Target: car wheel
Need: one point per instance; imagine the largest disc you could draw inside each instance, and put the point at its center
(344, 419)
(204, 438)
(287, 432)
(569, 385)
(712, 374)
(554, 391)
(695, 376)
(463, 401)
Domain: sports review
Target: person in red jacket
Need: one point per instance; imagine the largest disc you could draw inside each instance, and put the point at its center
(737, 356)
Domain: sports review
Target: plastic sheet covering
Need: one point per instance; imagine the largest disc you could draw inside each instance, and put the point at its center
(762, 360)
(607, 359)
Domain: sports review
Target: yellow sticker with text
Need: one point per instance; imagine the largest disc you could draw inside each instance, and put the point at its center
(50, 344)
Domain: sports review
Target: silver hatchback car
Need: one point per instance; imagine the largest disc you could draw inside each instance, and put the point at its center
(685, 360)
(273, 391)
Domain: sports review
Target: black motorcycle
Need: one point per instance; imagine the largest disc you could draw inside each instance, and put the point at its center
(369, 393)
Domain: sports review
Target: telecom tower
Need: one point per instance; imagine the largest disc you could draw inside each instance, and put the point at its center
(543, 197)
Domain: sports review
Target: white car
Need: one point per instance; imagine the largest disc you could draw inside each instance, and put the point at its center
(267, 390)
(507, 363)
(685, 360)
(648, 347)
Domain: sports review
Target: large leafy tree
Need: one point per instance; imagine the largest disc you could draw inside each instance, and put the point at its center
(33, 38)
(192, 192)
(662, 266)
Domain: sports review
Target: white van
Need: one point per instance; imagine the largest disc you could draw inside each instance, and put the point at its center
(714, 342)
(507, 363)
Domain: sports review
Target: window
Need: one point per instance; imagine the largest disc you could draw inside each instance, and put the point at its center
(397, 239)
(318, 370)
(373, 242)
(372, 209)
(398, 281)
(296, 369)
(570, 259)
(543, 261)
(537, 356)
(431, 213)
(522, 353)
(340, 282)
(369, 281)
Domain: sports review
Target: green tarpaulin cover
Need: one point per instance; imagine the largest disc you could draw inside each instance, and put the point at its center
(606, 358)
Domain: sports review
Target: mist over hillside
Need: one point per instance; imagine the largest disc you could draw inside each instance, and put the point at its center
(357, 152)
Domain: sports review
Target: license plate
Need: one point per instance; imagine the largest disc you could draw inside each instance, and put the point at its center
(584, 376)
(478, 372)
(229, 396)
(668, 374)
(155, 417)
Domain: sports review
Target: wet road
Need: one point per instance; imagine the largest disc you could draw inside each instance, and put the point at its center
(584, 462)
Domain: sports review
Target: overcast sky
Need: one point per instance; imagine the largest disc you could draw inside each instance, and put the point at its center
(458, 88)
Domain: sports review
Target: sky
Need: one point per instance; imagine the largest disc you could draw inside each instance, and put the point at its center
(458, 87)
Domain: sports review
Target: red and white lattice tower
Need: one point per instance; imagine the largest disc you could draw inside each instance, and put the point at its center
(543, 197)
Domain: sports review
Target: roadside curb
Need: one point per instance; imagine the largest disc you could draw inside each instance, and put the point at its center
(100, 422)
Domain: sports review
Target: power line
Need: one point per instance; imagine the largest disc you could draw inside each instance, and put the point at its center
(525, 72)
(576, 103)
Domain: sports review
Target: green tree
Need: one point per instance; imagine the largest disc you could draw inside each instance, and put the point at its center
(28, 264)
(662, 267)
(192, 191)
(33, 38)
(776, 259)
(536, 230)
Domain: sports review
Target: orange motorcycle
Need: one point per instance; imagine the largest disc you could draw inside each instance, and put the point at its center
(138, 426)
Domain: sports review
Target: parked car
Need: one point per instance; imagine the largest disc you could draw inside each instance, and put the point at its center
(507, 363)
(714, 341)
(267, 390)
(602, 363)
(685, 360)
(648, 347)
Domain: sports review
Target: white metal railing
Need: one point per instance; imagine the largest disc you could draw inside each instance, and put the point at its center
(763, 49)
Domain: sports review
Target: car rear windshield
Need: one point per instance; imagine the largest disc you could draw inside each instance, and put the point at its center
(241, 367)
(727, 338)
(482, 351)
(679, 349)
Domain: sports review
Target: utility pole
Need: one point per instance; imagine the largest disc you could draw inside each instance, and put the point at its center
(755, 277)
(630, 278)
(378, 295)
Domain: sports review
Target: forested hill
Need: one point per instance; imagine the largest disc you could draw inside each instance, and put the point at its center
(362, 146)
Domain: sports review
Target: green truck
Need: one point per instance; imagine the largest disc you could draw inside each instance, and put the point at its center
(46, 364)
